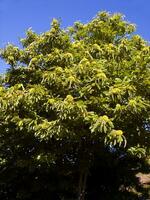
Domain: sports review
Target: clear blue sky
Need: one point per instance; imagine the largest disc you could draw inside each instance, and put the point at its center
(16, 16)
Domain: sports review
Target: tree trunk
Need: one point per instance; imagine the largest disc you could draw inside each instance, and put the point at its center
(82, 185)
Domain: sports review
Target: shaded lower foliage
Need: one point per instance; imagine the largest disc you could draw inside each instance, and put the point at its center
(110, 178)
(116, 179)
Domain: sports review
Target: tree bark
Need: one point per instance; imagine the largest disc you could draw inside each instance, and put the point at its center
(82, 185)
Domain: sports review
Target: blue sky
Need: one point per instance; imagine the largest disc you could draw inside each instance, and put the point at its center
(16, 16)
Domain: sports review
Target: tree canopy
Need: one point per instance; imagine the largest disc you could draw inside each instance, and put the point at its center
(70, 97)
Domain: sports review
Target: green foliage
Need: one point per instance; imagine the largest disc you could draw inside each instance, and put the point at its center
(70, 93)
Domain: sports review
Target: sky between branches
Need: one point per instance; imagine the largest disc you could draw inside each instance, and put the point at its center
(16, 16)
